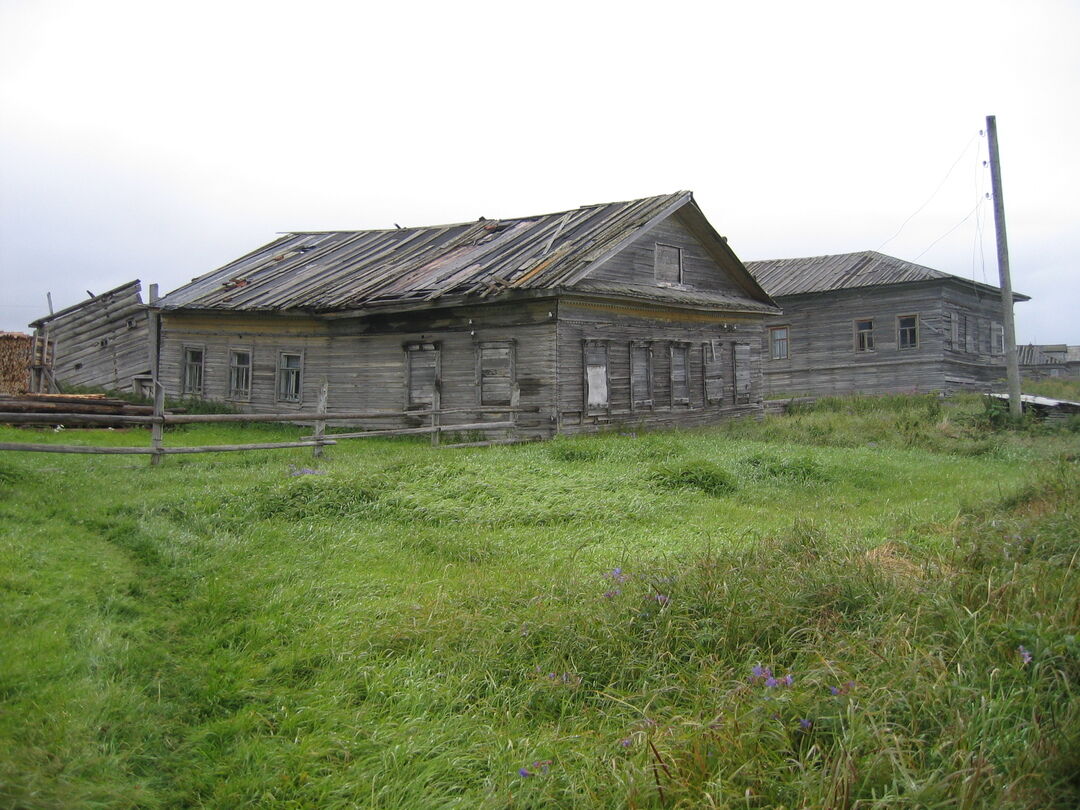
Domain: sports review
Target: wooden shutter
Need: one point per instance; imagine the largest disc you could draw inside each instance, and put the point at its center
(641, 375)
(741, 361)
(714, 372)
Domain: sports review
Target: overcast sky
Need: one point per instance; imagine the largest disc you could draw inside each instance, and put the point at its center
(158, 140)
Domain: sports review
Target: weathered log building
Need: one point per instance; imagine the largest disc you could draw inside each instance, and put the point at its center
(874, 324)
(98, 343)
(630, 313)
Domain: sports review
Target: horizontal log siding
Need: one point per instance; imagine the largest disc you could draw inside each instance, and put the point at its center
(364, 360)
(621, 325)
(80, 359)
(636, 264)
(822, 359)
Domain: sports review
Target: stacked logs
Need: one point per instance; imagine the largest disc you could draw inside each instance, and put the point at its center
(67, 408)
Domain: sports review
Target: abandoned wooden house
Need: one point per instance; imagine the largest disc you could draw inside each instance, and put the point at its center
(874, 324)
(101, 342)
(629, 313)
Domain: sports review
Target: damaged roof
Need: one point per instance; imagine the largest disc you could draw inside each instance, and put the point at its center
(846, 271)
(343, 271)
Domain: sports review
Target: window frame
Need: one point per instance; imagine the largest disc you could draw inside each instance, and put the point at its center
(786, 342)
(185, 364)
(715, 349)
(410, 348)
(679, 263)
(280, 373)
(230, 391)
(646, 402)
(860, 346)
(509, 345)
(745, 370)
(683, 348)
(589, 408)
(997, 338)
(900, 347)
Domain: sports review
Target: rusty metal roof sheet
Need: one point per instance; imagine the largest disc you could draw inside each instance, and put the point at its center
(348, 270)
(845, 271)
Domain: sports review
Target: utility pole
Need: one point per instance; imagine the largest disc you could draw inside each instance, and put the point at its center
(1012, 369)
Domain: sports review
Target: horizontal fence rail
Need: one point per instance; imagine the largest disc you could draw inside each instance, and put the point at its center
(317, 442)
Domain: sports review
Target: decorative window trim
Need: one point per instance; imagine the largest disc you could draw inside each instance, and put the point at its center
(678, 263)
(410, 348)
(298, 399)
(997, 338)
(596, 408)
(187, 389)
(230, 392)
(780, 349)
(684, 349)
(642, 400)
(858, 344)
(914, 330)
(509, 345)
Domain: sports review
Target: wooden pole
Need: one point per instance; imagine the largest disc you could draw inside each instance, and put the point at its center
(320, 425)
(1012, 368)
(157, 429)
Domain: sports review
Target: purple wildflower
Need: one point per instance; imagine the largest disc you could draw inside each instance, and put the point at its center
(524, 772)
(662, 598)
(805, 724)
(612, 593)
(1025, 656)
(759, 672)
(626, 742)
(771, 682)
(787, 680)
(835, 690)
(616, 575)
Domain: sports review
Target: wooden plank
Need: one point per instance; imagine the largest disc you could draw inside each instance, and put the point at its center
(123, 451)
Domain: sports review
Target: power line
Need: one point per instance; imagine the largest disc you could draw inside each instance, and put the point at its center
(931, 197)
(978, 205)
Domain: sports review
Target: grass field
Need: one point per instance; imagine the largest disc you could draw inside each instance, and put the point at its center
(871, 603)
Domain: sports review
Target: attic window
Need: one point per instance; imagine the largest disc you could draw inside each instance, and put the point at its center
(668, 264)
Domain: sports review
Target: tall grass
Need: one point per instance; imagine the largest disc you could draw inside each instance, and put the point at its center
(804, 612)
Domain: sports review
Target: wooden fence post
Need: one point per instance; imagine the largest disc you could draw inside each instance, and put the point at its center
(320, 425)
(157, 429)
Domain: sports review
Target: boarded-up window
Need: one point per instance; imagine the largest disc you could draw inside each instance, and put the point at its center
(714, 371)
(290, 377)
(641, 375)
(740, 359)
(864, 335)
(597, 397)
(192, 372)
(969, 333)
(495, 370)
(778, 343)
(668, 264)
(421, 374)
(907, 332)
(239, 374)
(954, 331)
(680, 374)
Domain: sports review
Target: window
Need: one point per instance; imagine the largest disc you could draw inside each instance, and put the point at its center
(997, 338)
(740, 360)
(968, 329)
(290, 373)
(714, 371)
(778, 342)
(680, 374)
(239, 374)
(192, 371)
(954, 330)
(641, 395)
(495, 372)
(864, 335)
(907, 332)
(421, 375)
(596, 376)
(668, 264)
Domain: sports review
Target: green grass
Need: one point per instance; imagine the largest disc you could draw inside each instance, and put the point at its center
(413, 626)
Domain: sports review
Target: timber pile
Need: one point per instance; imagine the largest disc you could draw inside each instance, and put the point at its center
(14, 362)
(70, 406)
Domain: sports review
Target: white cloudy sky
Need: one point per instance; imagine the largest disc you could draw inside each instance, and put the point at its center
(153, 140)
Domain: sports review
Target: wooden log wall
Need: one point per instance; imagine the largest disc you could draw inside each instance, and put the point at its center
(103, 342)
(620, 326)
(364, 360)
(822, 360)
(14, 362)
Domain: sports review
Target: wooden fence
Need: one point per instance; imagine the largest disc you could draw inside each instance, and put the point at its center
(317, 441)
